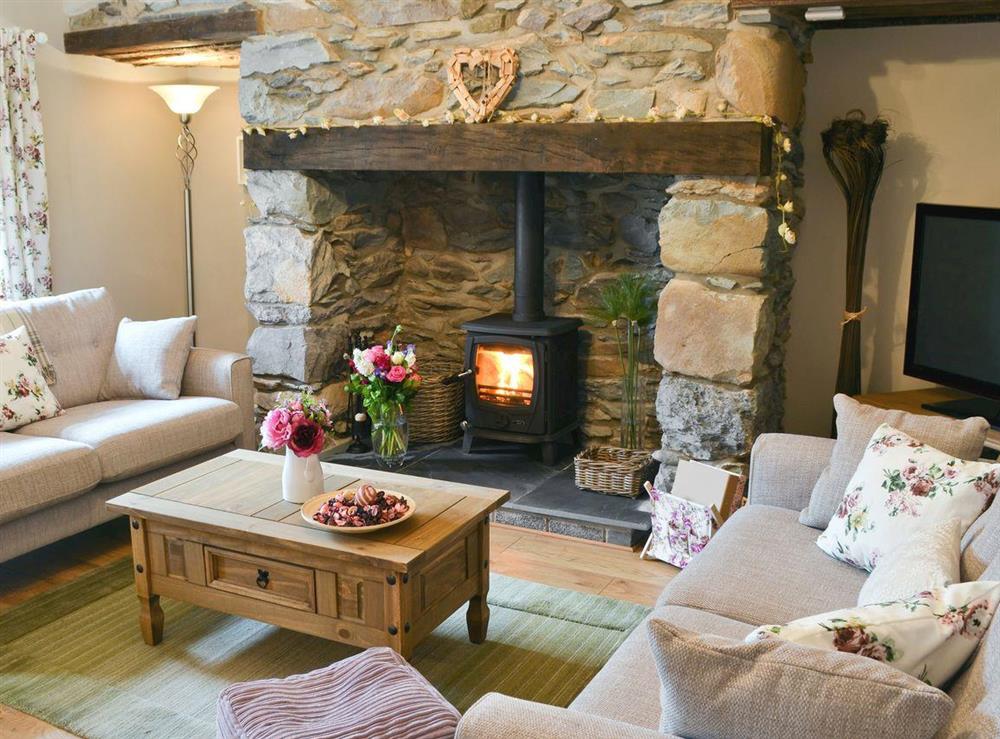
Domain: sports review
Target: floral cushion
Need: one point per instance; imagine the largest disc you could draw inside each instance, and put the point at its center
(901, 486)
(929, 635)
(928, 559)
(24, 395)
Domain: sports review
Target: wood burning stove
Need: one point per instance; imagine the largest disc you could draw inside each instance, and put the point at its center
(523, 381)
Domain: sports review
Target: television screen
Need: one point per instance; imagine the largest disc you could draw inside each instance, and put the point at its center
(953, 332)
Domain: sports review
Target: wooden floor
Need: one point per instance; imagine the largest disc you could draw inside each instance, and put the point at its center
(554, 560)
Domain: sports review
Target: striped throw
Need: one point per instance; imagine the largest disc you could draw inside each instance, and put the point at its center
(13, 318)
(371, 695)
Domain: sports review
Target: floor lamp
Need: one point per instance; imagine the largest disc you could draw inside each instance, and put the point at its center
(185, 101)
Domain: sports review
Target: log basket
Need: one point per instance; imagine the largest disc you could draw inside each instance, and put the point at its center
(438, 407)
(612, 470)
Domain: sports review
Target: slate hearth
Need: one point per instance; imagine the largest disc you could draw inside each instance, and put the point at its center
(541, 498)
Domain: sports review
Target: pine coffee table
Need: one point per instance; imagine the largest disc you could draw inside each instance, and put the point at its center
(220, 536)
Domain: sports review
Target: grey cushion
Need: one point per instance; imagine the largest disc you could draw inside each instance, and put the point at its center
(627, 688)
(981, 543)
(132, 436)
(977, 694)
(37, 472)
(716, 687)
(495, 715)
(855, 425)
(78, 331)
(149, 358)
(784, 468)
(763, 567)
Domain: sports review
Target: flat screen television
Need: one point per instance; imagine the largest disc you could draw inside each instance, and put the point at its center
(953, 328)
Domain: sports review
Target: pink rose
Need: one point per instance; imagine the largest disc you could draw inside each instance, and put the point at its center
(276, 429)
(307, 437)
(875, 651)
(850, 638)
(396, 374)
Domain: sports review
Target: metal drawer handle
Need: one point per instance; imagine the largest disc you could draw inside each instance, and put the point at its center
(262, 577)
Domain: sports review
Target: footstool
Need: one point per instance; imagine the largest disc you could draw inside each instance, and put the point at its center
(372, 694)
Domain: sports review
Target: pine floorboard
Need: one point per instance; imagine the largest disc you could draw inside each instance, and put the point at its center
(563, 562)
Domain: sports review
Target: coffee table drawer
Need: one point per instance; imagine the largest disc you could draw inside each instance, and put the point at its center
(264, 579)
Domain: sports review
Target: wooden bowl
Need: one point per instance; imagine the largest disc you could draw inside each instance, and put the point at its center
(311, 506)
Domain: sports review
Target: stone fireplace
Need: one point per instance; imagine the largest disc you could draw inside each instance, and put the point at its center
(330, 253)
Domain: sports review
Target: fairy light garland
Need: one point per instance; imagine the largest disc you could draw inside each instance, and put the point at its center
(449, 118)
(782, 146)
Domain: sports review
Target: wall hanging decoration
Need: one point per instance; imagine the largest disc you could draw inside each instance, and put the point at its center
(492, 71)
(855, 153)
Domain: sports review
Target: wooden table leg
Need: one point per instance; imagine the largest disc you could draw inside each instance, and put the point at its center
(150, 613)
(477, 618)
(151, 619)
(399, 613)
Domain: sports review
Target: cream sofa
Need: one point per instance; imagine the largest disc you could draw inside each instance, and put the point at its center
(56, 474)
(762, 567)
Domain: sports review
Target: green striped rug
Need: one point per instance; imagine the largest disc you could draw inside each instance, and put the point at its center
(74, 657)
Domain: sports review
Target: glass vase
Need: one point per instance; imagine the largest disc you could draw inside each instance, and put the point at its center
(390, 437)
(633, 414)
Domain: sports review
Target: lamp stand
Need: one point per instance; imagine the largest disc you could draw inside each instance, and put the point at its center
(187, 152)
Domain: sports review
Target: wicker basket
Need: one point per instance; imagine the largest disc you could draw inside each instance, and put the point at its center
(613, 471)
(437, 409)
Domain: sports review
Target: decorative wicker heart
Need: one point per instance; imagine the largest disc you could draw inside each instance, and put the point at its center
(495, 68)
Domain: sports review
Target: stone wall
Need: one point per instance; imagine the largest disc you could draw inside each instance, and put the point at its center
(329, 254)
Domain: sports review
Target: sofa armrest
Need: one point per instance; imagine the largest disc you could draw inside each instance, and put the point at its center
(495, 715)
(218, 374)
(784, 468)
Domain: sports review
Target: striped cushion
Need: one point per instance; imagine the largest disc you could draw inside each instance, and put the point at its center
(370, 695)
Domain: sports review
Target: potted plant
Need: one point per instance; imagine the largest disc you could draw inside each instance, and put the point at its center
(627, 305)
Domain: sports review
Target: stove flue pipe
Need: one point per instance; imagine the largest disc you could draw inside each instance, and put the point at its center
(529, 247)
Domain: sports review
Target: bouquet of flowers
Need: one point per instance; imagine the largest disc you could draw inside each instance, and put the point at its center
(300, 423)
(386, 378)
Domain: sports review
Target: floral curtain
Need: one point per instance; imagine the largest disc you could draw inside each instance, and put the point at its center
(25, 269)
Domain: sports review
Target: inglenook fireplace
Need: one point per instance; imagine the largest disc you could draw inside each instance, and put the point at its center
(522, 385)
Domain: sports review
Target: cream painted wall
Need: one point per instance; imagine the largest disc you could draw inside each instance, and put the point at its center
(940, 88)
(115, 202)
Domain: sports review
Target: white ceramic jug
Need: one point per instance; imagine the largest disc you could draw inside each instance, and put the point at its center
(302, 477)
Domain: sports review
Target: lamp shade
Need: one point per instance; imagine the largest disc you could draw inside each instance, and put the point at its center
(184, 99)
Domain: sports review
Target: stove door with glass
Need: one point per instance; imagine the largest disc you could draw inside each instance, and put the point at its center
(506, 384)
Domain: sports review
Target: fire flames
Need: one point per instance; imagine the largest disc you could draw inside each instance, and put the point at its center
(505, 374)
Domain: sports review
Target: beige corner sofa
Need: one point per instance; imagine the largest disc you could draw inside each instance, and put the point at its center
(56, 474)
(763, 567)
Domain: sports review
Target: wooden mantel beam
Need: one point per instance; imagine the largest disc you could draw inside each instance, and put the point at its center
(205, 39)
(733, 148)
